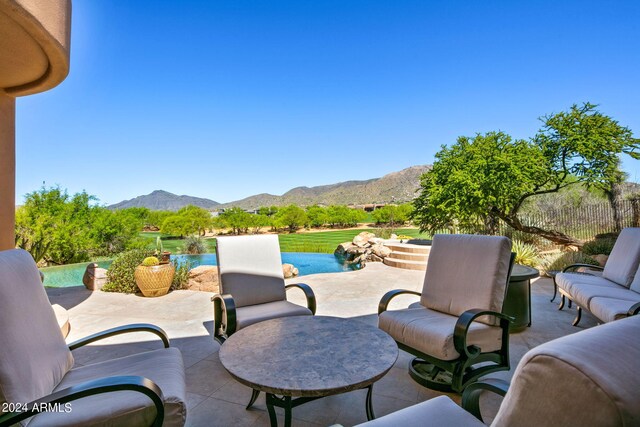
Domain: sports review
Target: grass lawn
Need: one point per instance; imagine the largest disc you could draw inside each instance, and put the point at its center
(321, 241)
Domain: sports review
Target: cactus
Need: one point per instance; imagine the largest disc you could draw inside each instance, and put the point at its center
(150, 261)
(159, 247)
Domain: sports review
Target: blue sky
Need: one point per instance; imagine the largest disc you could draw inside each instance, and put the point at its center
(225, 99)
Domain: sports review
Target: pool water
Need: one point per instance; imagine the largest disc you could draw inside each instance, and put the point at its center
(306, 263)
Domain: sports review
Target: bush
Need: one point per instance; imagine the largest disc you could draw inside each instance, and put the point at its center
(526, 254)
(564, 259)
(195, 245)
(120, 275)
(599, 246)
(181, 277)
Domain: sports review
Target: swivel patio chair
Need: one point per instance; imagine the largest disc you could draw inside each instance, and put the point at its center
(458, 322)
(584, 379)
(38, 377)
(252, 287)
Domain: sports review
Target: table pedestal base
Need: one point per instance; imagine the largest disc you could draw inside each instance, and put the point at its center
(288, 403)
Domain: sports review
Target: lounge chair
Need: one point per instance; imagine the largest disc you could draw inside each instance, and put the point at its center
(458, 322)
(584, 379)
(37, 366)
(613, 294)
(252, 287)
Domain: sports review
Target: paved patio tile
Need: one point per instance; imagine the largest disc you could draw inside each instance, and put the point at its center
(215, 399)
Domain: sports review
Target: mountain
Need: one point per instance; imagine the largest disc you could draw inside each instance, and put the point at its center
(394, 187)
(163, 200)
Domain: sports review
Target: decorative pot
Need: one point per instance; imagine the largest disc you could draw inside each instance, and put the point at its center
(164, 257)
(154, 281)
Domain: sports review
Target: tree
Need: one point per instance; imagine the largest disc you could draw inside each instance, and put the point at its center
(316, 216)
(343, 216)
(480, 179)
(236, 219)
(188, 220)
(58, 229)
(257, 221)
(291, 216)
(392, 214)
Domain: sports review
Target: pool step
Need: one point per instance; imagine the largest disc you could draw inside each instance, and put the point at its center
(408, 256)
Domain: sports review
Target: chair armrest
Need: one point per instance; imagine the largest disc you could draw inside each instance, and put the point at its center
(464, 322)
(224, 308)
(308, 293)
(386, 298)
(635, 309)
(90, 388)
(471, 394)
(573, 266)
(135, 327)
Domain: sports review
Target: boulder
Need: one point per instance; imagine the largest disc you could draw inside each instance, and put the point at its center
(289, 271)
(362, 239)
(601, 258)
(381, 251)
(342, 248)
(94, 277)
(204, 278)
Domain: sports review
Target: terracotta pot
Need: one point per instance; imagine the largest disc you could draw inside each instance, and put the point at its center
(165, 257)
(154, 281)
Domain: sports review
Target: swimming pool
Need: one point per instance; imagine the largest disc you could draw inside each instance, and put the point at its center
(306, 263)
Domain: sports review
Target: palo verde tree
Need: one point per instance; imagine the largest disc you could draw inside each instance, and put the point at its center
(490, 176)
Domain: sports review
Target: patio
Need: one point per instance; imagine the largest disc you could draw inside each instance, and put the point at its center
(215, 399)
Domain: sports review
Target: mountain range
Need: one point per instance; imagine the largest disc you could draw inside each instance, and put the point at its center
(395, 187)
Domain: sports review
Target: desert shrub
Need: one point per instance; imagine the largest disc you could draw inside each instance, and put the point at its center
(599, 246)
(195, 245)
(561, 260)
(120, 276)
(526, 254)
(181, 277)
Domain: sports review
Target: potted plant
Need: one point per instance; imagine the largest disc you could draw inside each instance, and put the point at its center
(154, 279)
(163, 256)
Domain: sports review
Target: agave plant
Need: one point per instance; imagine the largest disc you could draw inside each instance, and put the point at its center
(526, 254)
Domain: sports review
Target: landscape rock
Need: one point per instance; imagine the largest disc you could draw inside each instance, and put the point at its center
(362, 239)
(94, 277)
(204, 278)
(289, 271)
(381, 251)
(363, 248)
(342, 248)
(601, 258)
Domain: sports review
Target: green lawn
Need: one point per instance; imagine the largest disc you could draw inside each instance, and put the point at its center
(322, 241)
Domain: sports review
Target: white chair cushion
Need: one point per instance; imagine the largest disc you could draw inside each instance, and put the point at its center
(624, 258)
(164, 367)
(251, 314)
(466, 271)
(635, 285)
(585, 379)
(583, 294)
(567, 281)
(610, 309)
(33, 354)
(431, 332)
(250, 269)
(439, 411)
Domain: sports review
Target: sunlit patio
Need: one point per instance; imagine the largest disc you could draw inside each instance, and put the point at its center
(216, 399)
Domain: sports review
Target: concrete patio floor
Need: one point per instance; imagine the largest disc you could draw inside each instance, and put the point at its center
(215, 399)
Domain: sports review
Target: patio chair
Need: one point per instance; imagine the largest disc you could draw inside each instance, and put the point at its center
(584, 379)
(37, 367)
(252, 287)
(603, 293)
(458, 322)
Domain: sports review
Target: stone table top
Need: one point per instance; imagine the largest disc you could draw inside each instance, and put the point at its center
(308, 356)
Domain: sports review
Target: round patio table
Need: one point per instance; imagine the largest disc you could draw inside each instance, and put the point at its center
(517, 303)
(298, 359)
